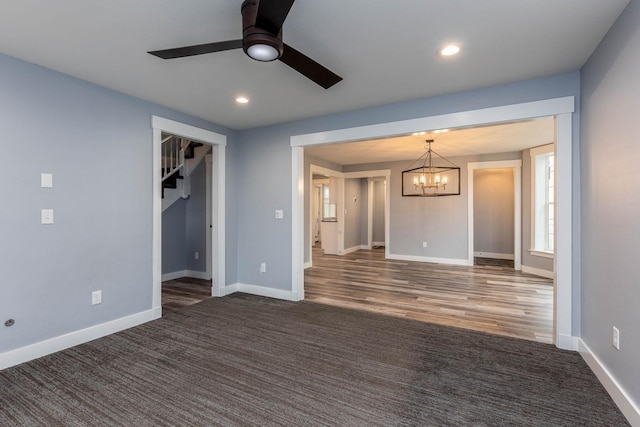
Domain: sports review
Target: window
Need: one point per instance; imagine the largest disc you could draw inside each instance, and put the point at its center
(543, 200)
(328, 208)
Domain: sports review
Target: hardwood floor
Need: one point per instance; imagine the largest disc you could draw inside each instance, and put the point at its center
(493, 299)
(183, 292)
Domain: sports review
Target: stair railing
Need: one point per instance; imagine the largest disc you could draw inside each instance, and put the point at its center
(172, 155)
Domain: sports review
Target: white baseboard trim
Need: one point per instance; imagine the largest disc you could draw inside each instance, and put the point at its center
(229, 289)
(494, 255)
(351, 249)
(185, 273)
(627, 406)
(262, 291)
(378, 244)
(173, 275)
(308, 265)
(567, 342)
(538, 272)
(62, 342)
(198, 274)
(451, 261)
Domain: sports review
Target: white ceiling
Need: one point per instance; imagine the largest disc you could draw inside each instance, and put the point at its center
(502, 138)
(384, 50)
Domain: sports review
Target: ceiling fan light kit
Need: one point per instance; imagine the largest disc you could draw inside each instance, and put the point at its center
(260, 44)
(262, 40)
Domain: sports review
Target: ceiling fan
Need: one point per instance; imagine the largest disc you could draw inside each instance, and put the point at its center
(262, 40)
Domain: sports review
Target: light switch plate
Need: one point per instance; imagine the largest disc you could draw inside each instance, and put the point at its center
(46, 216)
(96, 297)
(279, 214)
(46, 180)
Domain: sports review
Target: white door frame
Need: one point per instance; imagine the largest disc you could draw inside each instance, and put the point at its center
(316, 213)
(209, 214)
(562, 108)
(370, 192)
(516, 165)
(218, 144)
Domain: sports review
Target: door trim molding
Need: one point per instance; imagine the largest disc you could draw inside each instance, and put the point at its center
(218, 144)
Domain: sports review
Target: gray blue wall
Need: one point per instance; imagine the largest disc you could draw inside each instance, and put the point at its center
(377, 231)
(196, 220)
(353, 213)
(610, 203)
(184, 228)
(174, 237)
(493, 211)
(97, 143)
(364, 214)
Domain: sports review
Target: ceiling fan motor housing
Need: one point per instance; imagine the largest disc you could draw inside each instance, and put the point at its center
(252, 35)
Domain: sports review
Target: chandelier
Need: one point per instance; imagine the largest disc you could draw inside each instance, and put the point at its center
(429, 180)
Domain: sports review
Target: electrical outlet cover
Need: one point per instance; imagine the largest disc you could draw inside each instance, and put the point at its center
(96, 297)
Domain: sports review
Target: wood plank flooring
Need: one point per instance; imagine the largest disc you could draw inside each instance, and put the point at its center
(183, 292)
(493, 299)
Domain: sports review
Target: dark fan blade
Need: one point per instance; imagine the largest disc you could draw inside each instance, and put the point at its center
(272, 13)
(199, 49)
(309, 68)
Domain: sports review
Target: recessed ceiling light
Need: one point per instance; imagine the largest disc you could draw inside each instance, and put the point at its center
(449, 50)
(242, 100)
(441, 131)
(418, 133)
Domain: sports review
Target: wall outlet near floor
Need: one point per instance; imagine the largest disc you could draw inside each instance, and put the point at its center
(615, 339)
(263, 267)
(196, 255)
(424, 244)
(96, 297)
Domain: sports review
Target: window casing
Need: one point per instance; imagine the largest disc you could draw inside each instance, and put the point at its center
(328, 208)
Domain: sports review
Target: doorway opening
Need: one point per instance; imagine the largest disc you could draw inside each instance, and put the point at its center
(213, 199)
(339, 221)
(561, 108)
(494, 193)
(186, 225)
(494, 217)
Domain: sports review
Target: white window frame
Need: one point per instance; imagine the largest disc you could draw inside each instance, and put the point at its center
(540, 195)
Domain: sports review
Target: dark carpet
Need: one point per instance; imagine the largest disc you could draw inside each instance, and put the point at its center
(247, 360)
